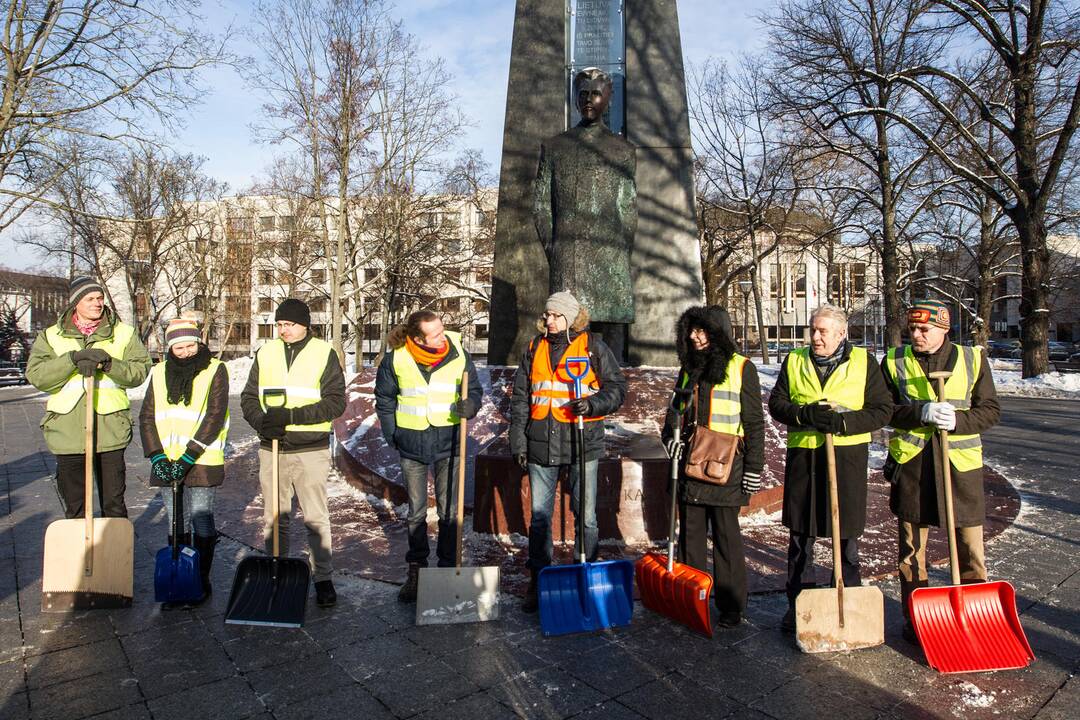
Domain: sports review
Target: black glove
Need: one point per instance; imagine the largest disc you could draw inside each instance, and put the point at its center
(273, 424)
(160, 471)
(91, 357)
(87, 368)
(580, 406)
(181, 467)
(751, 482)
(522, 461)
(822, 418)
(466, 408)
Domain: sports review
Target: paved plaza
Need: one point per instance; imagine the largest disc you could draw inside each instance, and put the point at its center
(366, 659)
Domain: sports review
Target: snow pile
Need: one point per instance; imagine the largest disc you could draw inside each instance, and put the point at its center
(973, 697)
(1048, 385)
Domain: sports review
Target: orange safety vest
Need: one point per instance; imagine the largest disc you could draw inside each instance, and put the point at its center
(552, 389)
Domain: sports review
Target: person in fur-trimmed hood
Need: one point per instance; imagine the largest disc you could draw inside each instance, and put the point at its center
(728, 401)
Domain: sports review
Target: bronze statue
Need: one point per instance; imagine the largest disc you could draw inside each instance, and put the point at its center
(585, 209)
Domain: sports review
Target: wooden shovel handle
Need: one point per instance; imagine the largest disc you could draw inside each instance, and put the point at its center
(463, 437)
(88, 477)
(946, 478)
(834, 516)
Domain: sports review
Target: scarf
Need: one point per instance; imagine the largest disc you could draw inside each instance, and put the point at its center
(825, 365)
(424, 355)
(86, 328)
(180, 374)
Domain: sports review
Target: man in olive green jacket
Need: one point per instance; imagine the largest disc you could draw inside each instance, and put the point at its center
(88, 340)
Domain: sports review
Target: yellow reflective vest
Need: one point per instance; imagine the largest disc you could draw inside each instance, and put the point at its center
(177, 424)
(424, 403)
(302, 381)
(725, 406)
(965, 451)
(845, 388)
(108, 397)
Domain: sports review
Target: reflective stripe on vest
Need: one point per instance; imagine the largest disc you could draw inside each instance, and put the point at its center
(846, 388)
(177, 424)
(552, 389)
(424, 403)
(301, 380)
(725, 406)
(108, 397)
(965, 451)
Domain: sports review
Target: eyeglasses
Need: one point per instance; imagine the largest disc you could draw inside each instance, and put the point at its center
(550, 316)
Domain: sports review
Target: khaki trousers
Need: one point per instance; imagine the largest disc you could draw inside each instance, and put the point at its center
(302, 473)
(912, 561)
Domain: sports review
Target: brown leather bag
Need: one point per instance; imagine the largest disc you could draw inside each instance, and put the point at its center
(711, 453)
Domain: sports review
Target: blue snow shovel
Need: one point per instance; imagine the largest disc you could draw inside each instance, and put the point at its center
(586, 596)
(176, 568)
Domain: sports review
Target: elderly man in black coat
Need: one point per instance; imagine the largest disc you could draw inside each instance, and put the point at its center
(829, 387)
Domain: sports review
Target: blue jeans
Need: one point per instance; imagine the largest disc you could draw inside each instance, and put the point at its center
(197, 506)
(542, 482)
(416, 481)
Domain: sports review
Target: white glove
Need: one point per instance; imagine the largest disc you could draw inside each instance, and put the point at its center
(673, 448)
(941, 415)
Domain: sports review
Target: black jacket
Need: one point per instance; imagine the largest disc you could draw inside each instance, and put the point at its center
(550, 442)
(329, 407)
(705, 369)
(806, 479)
(432, 443)
(918, 491)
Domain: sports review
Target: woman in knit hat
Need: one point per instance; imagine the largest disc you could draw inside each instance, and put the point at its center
(184, 423)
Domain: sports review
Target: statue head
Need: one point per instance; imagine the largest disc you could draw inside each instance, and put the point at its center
(592, 93)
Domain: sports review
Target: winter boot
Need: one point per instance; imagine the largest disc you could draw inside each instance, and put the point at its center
(531, 603)
(407, 594)
(325, 595)
(205, 547)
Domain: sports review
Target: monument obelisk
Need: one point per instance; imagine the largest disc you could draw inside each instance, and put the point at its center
(641, 38)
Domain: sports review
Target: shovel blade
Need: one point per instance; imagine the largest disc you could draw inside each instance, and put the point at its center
(817, 620)
(969, 628)
(269, 591)
(682, 594)
(446, 596)
(65, 584)
(586, 596)
(177, 580)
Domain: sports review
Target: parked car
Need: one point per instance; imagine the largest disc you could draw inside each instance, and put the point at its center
(1057, 351)
(12, 373)
(1002, 348)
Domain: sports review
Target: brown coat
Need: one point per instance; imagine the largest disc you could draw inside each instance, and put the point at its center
(918, 491)
(216, 407)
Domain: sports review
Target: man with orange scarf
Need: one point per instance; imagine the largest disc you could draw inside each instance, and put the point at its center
(418, 401)
(543, 412)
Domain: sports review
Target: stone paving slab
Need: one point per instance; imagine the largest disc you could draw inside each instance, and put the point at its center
(367, 659)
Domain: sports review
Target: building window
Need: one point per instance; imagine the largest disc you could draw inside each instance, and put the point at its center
(318, 277)
(241, 332)
(238, 225)
(199, 303)
(284, 277)
(481, 332)
(266, 304)
(317, 304)
(370, 274)
(450, 304)
(483, 276)
(266, 223)
(371, 331)
(266, 331)
(266, 277)
(480, 305)
(288, 222)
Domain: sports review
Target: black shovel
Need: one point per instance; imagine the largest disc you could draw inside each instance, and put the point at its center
(270, 590)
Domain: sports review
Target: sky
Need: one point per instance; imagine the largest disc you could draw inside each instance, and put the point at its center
(471, 36)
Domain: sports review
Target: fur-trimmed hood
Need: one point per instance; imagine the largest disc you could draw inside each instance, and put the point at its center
(711, 364)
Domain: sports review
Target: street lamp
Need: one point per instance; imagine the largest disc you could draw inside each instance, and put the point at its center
(745, 286)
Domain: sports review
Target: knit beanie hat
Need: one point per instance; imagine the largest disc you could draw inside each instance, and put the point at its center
(565, 304)
(934, 312)
(82, 286)
(295, 311)
(181, 331)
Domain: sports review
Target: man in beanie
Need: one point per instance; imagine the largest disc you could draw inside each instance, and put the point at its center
(543, 413)
(88, 340)
(419, 404)
(308, 371)
(913, 469)
(829, 370)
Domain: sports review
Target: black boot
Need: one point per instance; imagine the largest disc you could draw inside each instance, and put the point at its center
(407, 594)
(205, 547)
(531, 603)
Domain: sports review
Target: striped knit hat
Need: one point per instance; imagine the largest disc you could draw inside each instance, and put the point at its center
(934, 312)
(81, 286)
(182, 331)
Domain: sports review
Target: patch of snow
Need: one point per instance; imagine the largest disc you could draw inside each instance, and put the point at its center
(759, 519)
(973, 697)
(1048, 385)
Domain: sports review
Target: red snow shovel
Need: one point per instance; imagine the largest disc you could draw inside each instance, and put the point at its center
(966, 628)
(677, 590)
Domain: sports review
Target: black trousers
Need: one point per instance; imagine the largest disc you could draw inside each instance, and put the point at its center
(110, 475)
(729, 560)
(800, 564)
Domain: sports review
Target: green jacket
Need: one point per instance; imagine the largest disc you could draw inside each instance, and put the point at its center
(65, 434)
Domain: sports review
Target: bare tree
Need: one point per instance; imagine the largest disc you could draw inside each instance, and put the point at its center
(103, 69)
